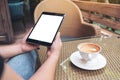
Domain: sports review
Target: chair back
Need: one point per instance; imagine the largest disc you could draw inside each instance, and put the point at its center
(73, 20)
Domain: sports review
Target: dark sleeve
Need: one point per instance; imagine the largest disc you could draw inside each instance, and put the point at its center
(1, 65)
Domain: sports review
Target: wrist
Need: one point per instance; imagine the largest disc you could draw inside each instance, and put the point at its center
(54, 56)
(20, 47)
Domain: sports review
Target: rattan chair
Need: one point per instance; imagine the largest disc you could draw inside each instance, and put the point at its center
(73, 24)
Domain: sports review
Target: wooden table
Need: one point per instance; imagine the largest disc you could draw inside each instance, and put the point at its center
(67, 71)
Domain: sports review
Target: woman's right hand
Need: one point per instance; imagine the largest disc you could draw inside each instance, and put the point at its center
(55, 48)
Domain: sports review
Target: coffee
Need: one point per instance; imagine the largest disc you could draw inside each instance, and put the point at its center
(89, 48)
(88, 51)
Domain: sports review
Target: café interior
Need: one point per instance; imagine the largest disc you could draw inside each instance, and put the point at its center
(94, 21)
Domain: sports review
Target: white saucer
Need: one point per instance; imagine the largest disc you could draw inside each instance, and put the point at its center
(95, 64)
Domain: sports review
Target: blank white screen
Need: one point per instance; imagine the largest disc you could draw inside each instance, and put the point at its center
(46, 28)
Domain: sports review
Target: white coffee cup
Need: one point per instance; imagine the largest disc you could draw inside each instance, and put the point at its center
(88, 51)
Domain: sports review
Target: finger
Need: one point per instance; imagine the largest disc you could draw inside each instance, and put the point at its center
(57, 36)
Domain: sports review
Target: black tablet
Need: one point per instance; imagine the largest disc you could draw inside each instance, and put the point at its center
(46, 28)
